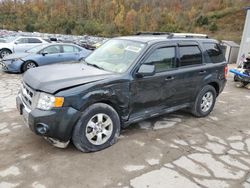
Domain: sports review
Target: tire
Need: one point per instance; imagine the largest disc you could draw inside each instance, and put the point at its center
(88, 136)
(81, 59)
(4, 52)
(236, 78)
(204, 102)
(28, 65)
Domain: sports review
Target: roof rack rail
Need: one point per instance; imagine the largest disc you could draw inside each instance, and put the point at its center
(171, 35)
(153, 33)
(188, 35)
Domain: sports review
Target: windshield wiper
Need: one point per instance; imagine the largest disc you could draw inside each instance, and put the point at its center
(94, 65)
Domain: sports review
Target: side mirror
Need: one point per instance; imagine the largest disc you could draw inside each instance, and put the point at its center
(15, 43)
(44, 53)
(145, 70)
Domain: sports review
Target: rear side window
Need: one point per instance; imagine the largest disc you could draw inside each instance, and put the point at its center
(34, 40)
(162, 58)
(70, 49)
(77, 49)
(190, 55)
(214, 52)
(52, 49)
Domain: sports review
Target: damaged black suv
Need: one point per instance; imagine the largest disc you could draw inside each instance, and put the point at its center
(126, 80)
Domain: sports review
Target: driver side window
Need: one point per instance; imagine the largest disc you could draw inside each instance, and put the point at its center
(163, 59)
(52, 50)
(22, 41)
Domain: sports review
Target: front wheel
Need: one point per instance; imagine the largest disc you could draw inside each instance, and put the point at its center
(204, 102)
(28, 65)
(98, 128)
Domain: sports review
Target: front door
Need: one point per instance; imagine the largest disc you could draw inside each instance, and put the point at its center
(150, 94)
(51, 54)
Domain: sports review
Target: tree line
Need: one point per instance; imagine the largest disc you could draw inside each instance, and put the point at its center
(114, 17)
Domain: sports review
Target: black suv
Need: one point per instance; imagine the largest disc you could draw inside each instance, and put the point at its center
(126, 80)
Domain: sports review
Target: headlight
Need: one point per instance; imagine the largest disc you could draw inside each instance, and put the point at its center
(47, 101)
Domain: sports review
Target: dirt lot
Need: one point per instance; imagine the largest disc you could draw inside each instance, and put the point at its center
(175, 150)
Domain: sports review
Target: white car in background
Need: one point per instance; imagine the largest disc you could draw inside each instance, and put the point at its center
(19, 44)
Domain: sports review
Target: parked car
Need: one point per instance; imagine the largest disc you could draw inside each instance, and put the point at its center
(45, 54)
(2, 40)
(126, 80)
(19, 44)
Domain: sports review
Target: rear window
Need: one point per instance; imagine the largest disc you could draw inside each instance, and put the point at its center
(70, 49)
(214, 52)
(190, 55)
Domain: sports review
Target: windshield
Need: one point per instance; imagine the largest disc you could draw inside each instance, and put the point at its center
(115, 55)
(37, 48)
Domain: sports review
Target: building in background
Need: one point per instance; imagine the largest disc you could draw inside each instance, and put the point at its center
(231, 51)
(245, 40)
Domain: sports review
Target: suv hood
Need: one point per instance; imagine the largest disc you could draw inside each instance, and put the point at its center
(52, 78)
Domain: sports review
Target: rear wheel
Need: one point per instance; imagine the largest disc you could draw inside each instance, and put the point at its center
(204, 102)
(28, 65)
(236, 78)
(4, 52)
(98, 128)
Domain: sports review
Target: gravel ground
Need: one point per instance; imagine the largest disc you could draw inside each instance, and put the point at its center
(175, 150)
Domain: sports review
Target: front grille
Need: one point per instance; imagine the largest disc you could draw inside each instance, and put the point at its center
(27, 95)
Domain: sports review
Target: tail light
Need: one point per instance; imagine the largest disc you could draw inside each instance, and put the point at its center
(225, 71)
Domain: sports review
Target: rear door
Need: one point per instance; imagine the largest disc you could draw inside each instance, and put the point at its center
(191, 72)
(70, 53)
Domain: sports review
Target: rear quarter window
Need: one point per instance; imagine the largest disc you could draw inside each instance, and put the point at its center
(214, 52)
(70, 49)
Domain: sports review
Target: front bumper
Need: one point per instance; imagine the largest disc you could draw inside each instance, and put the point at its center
(11, 65)
(57, 123)
(4, 67)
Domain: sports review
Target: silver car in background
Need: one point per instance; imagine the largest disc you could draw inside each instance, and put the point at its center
(45, 54)
(19, 44)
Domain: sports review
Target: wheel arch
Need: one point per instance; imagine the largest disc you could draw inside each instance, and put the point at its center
(26, 62)
(6, 49)
(123, 115)
(110, 103)
(216, 87)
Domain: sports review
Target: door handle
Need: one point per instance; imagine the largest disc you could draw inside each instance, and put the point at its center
(202, 72)
(169, 78)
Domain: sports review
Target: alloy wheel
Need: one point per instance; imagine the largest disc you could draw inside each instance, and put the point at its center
(207, 101)
(31, 65)
(99, 129)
